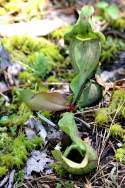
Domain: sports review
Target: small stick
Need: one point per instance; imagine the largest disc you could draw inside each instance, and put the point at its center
(46, 120)
(11, 179)
(84, 122)
(4, 181)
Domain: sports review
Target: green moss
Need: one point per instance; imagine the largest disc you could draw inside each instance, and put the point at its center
(117, 103)
(110, 47)
(120, 155)
(5, 142)
(7, 160)
(3, 170)
(15, 153)
(37, 55)
(40, 66)
(59, 33)
(102, 116)
(19, 118)
(35, 142)
(117, 130)
(24, 45)
(119, 24)
(57, 167)
(116, 106)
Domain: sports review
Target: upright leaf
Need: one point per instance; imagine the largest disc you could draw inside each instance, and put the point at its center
(85, 58)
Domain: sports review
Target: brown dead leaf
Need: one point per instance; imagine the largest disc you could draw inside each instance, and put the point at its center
(107, 85)
(47, 101)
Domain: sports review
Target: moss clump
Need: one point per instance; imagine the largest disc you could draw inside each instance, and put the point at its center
(105, 115)
(58, 168)
(16, 152)
(25, 46)
(117, 130)
(118, 102)
(3, 170)
(19, 118)
(117, 105)
(102, 116)
(120, 155)
(110, 47)
(59, 33)
(119, 24)
(38, 56)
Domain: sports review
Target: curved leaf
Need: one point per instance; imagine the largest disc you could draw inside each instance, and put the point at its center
(88, 154)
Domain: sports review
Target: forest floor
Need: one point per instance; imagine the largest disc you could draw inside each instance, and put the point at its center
(33, 55)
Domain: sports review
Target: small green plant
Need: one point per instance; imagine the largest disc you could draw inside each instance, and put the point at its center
(85, 49)
(86, 155)
(19, 178)
(19, 118)
(58, 168)
(111, 14)
(108, 12)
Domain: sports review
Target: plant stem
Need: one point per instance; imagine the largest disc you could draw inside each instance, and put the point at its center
(79, 93)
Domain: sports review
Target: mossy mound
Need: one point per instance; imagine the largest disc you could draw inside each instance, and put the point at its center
(14, 151)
